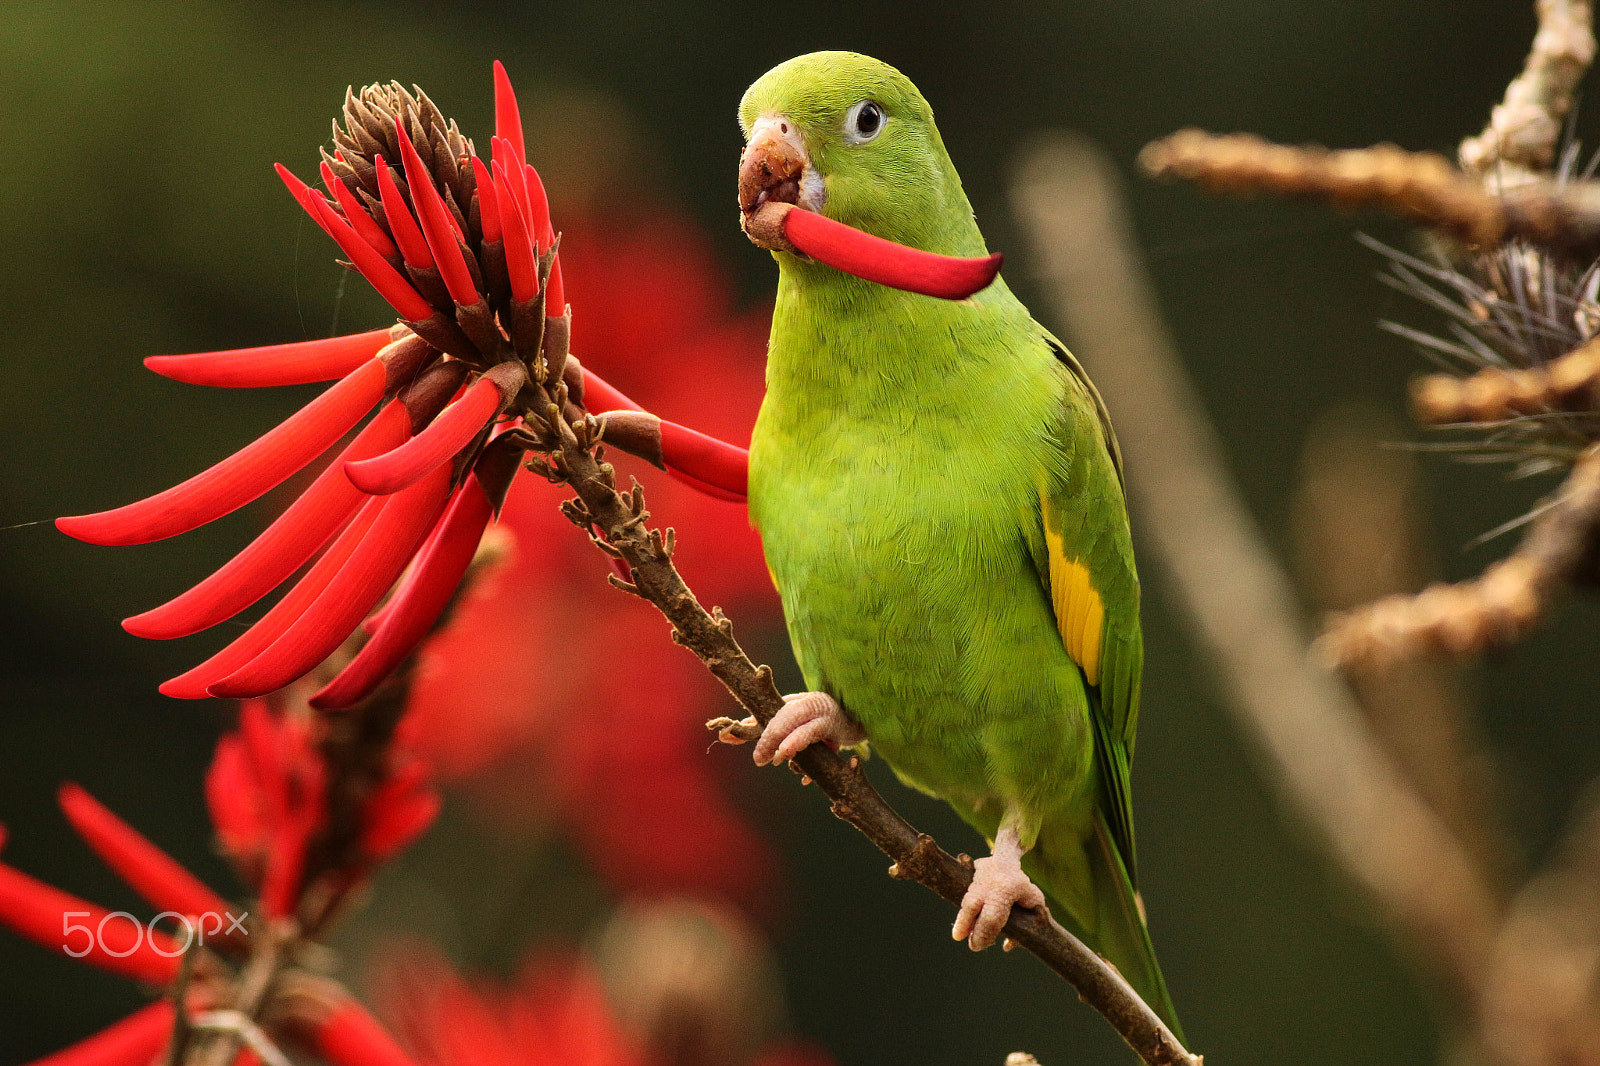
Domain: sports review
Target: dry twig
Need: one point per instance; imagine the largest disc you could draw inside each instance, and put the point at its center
(1520, 141)
(1419, 186)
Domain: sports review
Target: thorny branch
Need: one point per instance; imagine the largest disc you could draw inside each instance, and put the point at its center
(1475, 205)
(620, 517)
(1524, 966)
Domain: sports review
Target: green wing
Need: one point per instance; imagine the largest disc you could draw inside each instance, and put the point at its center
(1093, 586)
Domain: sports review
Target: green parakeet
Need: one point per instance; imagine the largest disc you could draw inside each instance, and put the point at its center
(939, 494)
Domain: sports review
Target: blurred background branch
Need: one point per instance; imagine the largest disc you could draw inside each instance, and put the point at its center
(1392, 772)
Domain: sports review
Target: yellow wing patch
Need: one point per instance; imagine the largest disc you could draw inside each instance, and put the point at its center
(1080, 614)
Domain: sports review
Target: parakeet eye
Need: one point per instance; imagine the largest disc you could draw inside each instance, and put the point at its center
(864, 122)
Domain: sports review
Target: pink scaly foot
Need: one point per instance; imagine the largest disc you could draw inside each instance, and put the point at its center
(998, 884)
(806, 719)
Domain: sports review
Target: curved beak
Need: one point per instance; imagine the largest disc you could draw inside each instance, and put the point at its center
(776, 168)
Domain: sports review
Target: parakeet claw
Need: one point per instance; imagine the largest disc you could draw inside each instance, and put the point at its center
(998, 884)
(806, 719)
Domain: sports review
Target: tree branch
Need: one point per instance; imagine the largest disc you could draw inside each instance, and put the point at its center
(621, 519)
(1417, 186)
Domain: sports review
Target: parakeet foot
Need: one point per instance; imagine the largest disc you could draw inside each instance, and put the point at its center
(806, 719)
(998, 884)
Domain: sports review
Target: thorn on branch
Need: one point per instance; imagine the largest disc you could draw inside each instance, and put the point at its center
(731, 732)
(578, 514)
(626, 586)
(605, 545)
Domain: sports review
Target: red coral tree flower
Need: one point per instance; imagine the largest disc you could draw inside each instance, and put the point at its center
(465, 251)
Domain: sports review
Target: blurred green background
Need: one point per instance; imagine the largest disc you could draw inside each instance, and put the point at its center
(139, 214)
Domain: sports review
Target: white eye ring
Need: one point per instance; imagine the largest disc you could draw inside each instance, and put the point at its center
(868, 113)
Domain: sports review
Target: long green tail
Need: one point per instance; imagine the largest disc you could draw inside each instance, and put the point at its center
(1105, 911)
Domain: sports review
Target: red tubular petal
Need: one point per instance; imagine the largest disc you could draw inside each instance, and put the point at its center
(418, 603)
(300, 363)
(244, 475)
(373, 567)
(436, 225)
(148, 870)
(509, 159)
(191, 685)
(507, 118)
(374, 267)
(445, 436)
(283, 548)
(355, 213)
(303, 194)
(521, 267)
(538, 208)
(349, 1036)
(488, 208)
(711, 465)
(42, 913)
(413, 246)
(875, 259)
(599, 395)
(134, 1041)
(555, 300)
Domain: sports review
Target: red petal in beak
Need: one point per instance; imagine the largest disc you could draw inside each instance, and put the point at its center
(148, 870)
(283, 548)
(884, 262)
(371, 569)
(243, 476)
(273, 364)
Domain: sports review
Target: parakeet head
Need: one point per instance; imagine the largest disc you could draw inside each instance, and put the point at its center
(850, 137)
